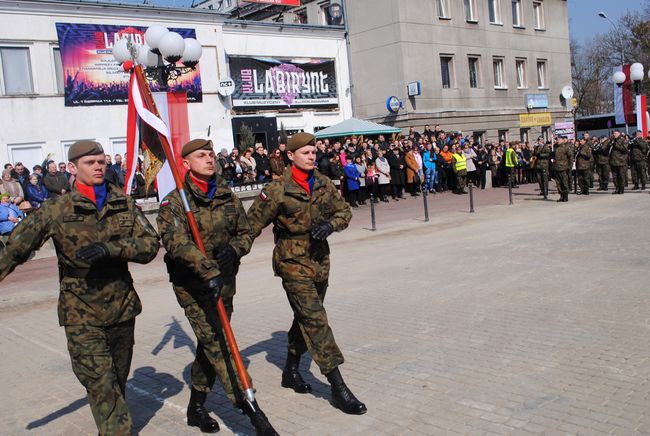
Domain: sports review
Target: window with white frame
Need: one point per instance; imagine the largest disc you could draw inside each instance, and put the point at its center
(441, 6)
(474, 70)
(499, 77)
(29, 154)
(538, 15)
(517, 18)
(541, 74)
(447, 71)
(16, 71)
(471, 14)
(520, 65)
(494, 11)
(58, 70)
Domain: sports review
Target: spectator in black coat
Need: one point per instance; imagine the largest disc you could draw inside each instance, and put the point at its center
(262, 164)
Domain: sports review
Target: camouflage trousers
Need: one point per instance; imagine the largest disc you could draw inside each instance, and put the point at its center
(639, 177)
(310, 329)
(101, 360)
(542, 179)
(563, 182)
(209, 362)
(461, 180)
(619, 174)
(583, 180)
(603, 174)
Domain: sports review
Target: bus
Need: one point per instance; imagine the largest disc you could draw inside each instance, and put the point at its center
(600, 125)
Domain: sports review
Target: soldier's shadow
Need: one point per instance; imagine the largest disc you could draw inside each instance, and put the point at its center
(276, 352)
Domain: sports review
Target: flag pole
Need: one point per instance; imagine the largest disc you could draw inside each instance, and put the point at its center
(194, 228)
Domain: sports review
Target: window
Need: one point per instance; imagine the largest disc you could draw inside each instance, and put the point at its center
(58, 70)
(29, 154)
(16, 71)
(503, 135)
(473, 64)
(516, 14)
(441, 5)
(499, 79)
(300, 16)
(538, 15)
(523, 135)
(119, 146)
(494, 10)
(471, 14)
(447, 71)
(521, 73)
(541, 74)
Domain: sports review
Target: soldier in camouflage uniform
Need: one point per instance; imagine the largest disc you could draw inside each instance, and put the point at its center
(583, 165)
(543, 154)
(563, 165)
(199, 280)
(305, 208)
(602, 165)
(638, 152)
(96, 231)
(618, 161)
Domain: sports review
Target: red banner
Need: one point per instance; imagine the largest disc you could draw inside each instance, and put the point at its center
(277, 2)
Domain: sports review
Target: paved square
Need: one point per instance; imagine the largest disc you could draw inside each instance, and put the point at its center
(523, 319)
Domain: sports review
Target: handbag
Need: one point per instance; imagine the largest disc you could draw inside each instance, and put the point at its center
(533, 162)
(25, 206)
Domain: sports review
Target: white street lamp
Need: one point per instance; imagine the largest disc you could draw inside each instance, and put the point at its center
(160, 44)
(619, 78)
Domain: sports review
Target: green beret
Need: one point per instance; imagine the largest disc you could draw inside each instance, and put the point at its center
(84, 148)
(196, 144)
(299, 140)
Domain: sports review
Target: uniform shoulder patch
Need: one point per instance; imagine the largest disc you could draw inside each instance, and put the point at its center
(263, 196)
(164, 203)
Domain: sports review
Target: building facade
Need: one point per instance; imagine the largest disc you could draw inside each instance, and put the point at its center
(494, 69)
(37, 123)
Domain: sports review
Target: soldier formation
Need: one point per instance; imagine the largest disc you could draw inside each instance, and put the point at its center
(97, 230)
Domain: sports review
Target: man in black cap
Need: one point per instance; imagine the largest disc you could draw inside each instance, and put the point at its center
(97, 230)
(305, 209)
(199, 280)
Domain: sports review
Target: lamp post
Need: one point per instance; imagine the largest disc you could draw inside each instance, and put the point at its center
(636, 76)
(159, 54)
(602, 14)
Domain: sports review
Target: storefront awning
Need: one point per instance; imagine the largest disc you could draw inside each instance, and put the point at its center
(355, 126)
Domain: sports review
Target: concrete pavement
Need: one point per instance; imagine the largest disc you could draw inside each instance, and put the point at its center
(523, 319)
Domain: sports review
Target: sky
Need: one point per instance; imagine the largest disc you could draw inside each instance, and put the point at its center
(584, 21)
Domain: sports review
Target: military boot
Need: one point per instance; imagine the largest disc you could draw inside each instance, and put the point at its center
(342, 397)
(635, 187)
(198, 416)
(259, 420)
(291, 377)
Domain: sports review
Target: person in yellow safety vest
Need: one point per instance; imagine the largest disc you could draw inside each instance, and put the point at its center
(459, 166)
(511, 163)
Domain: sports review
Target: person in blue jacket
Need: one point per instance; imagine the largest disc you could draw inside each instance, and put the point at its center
(429, 160)
(10, 215)
(352, 179)
(35, 193)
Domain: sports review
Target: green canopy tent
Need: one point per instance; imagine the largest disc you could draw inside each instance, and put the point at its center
(355, 126)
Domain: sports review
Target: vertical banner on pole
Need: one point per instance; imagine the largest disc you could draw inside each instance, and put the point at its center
(624, 98)
(641, 115)
(173, 111)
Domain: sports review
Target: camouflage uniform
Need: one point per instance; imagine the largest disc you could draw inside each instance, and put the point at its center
(543, 154)
(618, 162)
(563, 165)
(221, 220)
(97, 303)
(602, 165)
(302, 263)
(583, 167)
(638, 152)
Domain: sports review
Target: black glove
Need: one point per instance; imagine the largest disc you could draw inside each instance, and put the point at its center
(93, 252)
(227, 258)
(213, 287)
(320, 232)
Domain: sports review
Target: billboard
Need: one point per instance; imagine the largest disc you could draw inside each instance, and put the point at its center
(536, 101)
(565, 128)
(277, 2)
(90, 74)
(269, 83)
(536, 119)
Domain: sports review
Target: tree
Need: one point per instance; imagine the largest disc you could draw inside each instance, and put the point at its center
(590, 70)
(246, 138)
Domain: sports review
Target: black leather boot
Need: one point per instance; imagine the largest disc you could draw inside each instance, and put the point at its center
(291, 377)
(342, 398)
(259, 420)
(198, 416)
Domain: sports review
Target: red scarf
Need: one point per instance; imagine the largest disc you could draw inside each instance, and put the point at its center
(203, 186)
(304, 179)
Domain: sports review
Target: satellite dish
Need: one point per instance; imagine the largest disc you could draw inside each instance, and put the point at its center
(567, 92)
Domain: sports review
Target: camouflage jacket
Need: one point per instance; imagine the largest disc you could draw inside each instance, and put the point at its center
(293, 212)
(100, 294)
(618, 152)
(221, 220)
(602, 154)
(638, 150)
(563, 157)
(584, 157)
(543, 154)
